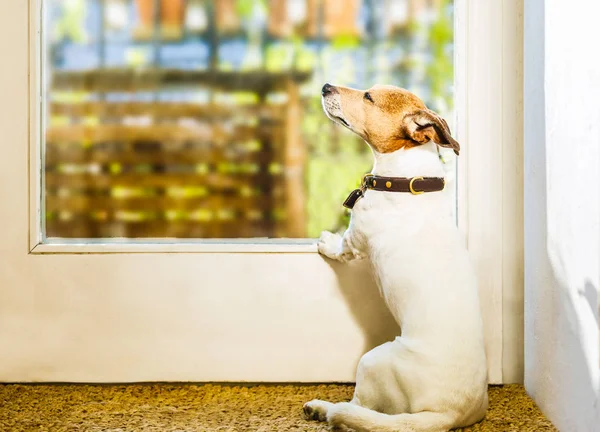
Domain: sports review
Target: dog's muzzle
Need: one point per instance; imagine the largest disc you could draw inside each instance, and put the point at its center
(327, 89)
(331, 104)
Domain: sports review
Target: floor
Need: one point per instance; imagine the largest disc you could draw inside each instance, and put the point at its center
(207, 408)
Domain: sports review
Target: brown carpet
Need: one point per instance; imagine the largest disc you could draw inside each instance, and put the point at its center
(186, 407)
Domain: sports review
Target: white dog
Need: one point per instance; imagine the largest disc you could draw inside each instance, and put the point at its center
(434, 377)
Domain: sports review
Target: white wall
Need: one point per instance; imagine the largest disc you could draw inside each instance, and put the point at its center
(562, 191)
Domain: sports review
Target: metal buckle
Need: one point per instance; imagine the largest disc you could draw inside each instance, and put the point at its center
(410, 186)
(363, 183)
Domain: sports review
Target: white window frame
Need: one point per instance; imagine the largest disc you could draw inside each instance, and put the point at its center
(488, 57)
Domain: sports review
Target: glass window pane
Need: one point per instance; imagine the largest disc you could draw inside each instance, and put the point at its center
(203, 118)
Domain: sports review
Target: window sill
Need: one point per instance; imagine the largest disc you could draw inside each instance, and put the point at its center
(150, 245)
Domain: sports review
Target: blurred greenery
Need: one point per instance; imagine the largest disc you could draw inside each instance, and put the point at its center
(69, 25)
(440, 71)
(337, 161)
(345, 41)
(245, 8)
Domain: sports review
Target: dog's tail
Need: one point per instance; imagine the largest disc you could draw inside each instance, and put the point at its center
(363, 419)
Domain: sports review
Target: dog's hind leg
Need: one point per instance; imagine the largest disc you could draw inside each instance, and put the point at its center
(377, 381)
(317, 409)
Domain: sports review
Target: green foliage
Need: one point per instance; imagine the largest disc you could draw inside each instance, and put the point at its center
(345, 42)
(440, 71)
(279, 57)
(70, 24)
(337, 162)
(245, 7)
(330, 180)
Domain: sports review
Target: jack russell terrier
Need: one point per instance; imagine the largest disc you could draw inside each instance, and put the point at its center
(434, 377)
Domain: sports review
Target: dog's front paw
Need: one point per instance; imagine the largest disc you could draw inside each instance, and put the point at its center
(330, 245)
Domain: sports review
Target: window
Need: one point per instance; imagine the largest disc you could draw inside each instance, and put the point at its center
(203, 119)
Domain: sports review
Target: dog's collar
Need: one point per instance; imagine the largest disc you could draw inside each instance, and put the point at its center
(414, 185)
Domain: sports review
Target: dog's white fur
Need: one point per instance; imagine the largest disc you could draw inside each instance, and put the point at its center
(434, 377)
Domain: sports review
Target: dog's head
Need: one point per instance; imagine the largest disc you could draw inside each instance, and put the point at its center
(388, 118)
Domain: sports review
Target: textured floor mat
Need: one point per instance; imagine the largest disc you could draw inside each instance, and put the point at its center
(187, 407)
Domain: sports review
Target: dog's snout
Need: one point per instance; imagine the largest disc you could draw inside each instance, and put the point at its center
(327, 89)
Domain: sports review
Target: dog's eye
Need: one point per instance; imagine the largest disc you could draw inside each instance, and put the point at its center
(368, 97)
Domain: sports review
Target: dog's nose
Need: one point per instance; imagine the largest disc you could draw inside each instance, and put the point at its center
(327, 88)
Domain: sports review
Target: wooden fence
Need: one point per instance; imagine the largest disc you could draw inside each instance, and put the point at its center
(171, 169)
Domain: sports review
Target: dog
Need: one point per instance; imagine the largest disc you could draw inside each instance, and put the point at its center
(433, 377)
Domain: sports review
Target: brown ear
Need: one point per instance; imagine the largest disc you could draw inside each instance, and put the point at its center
(426, 125)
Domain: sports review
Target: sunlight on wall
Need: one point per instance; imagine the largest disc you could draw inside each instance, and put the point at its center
(562, 214)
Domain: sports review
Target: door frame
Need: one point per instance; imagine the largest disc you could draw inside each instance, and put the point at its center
(55, 289)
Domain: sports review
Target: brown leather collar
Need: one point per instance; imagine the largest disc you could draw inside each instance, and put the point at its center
(414, 185)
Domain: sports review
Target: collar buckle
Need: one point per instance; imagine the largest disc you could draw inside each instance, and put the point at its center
(410, 186)
(363, 183)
